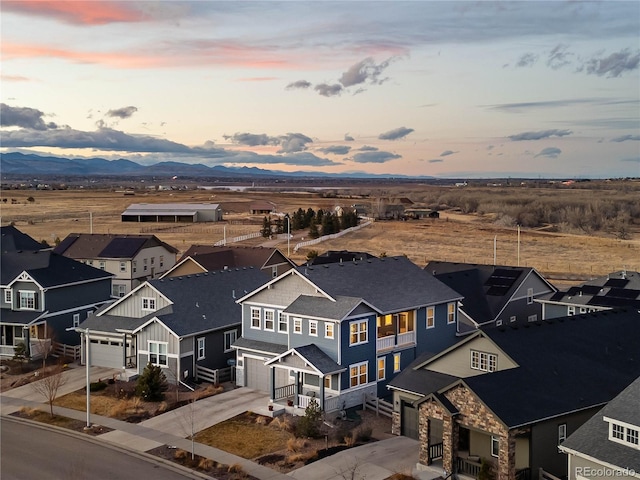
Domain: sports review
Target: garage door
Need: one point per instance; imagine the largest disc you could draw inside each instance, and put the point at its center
(409, 421)
(256, 374)
(106, 354)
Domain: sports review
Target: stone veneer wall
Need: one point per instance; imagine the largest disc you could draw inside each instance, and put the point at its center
(395, 424)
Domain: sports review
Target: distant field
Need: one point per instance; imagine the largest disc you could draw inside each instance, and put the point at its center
(453, 237)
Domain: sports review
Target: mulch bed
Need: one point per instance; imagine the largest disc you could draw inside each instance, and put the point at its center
(60, 421)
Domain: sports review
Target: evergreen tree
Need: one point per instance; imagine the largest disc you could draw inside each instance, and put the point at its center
(279, 223)
(308, 216)
(297, 220)
(313, 230)
(266, 228)
(152, 383)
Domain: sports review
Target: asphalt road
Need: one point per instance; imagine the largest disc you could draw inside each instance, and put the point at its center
(31, 452)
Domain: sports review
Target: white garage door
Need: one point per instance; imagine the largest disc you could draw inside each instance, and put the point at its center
(256, 374)
(106, 354)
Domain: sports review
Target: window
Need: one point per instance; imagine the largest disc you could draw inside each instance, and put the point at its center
(381, 368)
(201, 345)
(532, 318)
(118, 290)
(498, 323)
(451, 313)
(283, 326)
(313, 328)
(153, 260)
(327, 382)
(8, 295)
(161, 261)
(148, 303)
(583, 310)
(358, 332)
(562, 433)
(297, 325)
(76, 319)
(27, 300)
(102, 264)
(255, 318)
(405, 323)
(624, 433)
(483, 361)
(529, 296)
(396, 362)
(512, 318)
(617, 431)
(158, 354)
(134, 266)
(269, 320)
(571, 311)
(358, 374)
(328, 330)
(632, 436)
(495, 446)
(144, 262)
(229, 339)
(431, 317)
(123, 266)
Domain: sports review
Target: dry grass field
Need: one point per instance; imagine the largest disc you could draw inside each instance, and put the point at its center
(457, 237)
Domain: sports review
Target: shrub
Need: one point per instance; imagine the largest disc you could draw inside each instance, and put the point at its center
(181, 454)
(296, 444)
(309, 425)
(363, 434)
(235, 468)
(97, 386)
(151, 384)
(205, 464)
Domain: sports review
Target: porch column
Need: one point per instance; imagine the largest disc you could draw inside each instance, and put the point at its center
(272, 382)
(424, 433)
(449, 442)
(507, 458)
(321, 399)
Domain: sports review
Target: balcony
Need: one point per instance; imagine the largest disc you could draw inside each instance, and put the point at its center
(392, 341)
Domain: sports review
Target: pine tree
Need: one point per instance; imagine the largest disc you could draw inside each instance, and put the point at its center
(152, 383)
(266, 228)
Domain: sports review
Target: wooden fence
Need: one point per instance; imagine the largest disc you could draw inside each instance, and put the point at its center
(66, 351)
(378, 405)
(216, 376)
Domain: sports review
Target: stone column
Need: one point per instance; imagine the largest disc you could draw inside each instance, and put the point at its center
(506, 467)
(424, 431)
(449, 448)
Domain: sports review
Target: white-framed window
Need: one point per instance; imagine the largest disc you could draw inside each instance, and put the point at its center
(123, 266)
(102, 264)
(283, 325)
(532, 318)
(328, 330)
(161, 261)
(297, 325)
(483, 361)
(562, 433)
(617, 431)
(499, 323)
(158, 353)
(255, 317)
(134, 266)
(118, 290)
(624, 433)
(76, 319)
(632, 436)
(451, 313)
(382, 367)
(571, 311)
(89, 313)
(396, 362)
(230, 338)
(269, 323)
(8, 296)
(144, 264)
(153, 260)
(583, 310)
(148, 303)
(431, 317)
(201, 348)
(27, 299)
(358, 332)
(358, 373)
(495, 446)
(313, 328)
(529, 296)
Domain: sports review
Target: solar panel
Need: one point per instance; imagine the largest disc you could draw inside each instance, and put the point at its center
(623, 293)
(616, 282)
(591, 289)
(498, 291)
(557, 296)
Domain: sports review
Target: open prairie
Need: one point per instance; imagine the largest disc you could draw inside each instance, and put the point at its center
(556, 251)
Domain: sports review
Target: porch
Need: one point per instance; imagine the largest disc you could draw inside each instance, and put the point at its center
(396, 330)
(286, 395)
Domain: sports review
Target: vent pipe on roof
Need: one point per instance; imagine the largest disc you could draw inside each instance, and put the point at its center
(197, 306)
(233, 293)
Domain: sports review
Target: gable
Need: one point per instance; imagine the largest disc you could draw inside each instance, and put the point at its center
(131, 305)
(188, 266)
(457, 362)
(284, 291)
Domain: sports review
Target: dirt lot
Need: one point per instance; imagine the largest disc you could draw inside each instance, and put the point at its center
(452, 237)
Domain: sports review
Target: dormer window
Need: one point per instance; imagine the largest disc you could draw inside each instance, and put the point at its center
(486, 362)
(148, 303)
(623, 433)
(27, 300)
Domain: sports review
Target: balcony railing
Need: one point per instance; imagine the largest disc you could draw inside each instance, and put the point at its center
(406, 338)
(391, 341)
(468, 467)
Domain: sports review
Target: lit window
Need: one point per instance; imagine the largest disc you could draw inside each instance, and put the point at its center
(297, 325)
(255, 318)
(283, 326)
(396, 362)
(486, 362)
(451, 313)
(358, 332)
(76, 319)
(431, 317)
(327, 381)
(201, 345)
(358, 374)
(158, 354)
(27, 300)
(313, 328)
(229, 339)
(529, 296)
(562, 433)
(328, 330)
(268, 320)
(148, 303)
(495, 446)
(381, 368)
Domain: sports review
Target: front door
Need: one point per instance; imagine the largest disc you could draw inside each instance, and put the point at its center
(409, 427)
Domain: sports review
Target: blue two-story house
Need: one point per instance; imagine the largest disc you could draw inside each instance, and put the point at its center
(340, 331)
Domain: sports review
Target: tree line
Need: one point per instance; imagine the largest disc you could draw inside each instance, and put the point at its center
(318, 222)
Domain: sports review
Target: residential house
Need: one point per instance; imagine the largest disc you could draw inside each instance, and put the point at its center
(205, 258)
(178, 323)
(43, 294)
(615, 290)
(510, 395)
(341, 331)
(494, 295)
(608, 444)
(262, 208)
(13, 240)
(132, 259)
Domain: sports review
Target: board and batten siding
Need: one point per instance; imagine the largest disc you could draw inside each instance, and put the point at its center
(458, 362)
(284, 291)
(132, 306)
(157, 332)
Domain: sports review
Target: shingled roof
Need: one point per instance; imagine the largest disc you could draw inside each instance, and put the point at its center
(217, 258)
(105, 245)
(13, 240)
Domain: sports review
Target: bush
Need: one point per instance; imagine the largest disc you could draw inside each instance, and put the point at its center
(363, 434)
(151, 384)
(97, 386)
(309, 425)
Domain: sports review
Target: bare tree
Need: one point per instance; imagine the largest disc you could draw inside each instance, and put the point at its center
(48, 387)
(189, 421)
(351, 470)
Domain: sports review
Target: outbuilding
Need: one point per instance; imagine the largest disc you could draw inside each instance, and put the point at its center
(173, 212)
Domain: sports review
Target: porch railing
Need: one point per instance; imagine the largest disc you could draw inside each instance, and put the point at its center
(391, 341)
(468, 467)
(284, 392)
(7, 350)
(332, 404)
(435, 451)
(385, 343)
(523, 474)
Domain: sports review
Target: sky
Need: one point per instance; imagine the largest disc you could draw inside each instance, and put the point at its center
(459, 89)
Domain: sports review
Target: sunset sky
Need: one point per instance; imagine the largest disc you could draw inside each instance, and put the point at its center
(446, 89)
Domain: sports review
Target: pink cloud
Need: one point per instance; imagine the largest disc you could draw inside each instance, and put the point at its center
(77, 12)
(258, 79)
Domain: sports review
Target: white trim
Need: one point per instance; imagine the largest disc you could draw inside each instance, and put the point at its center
(24, 293)
(359, 332)
(151, 304)
(433, 317)
(158, 353)
(252, 318)
(455, 307)
(8, 296)
(397, 356)
(326, 330)
(283, 316)
(495, 439)
(155, 320)
(203, 347)
(312, 324)
(358, 365)
(231, 342)
(273, 319)
(597, 461)
(625, 432)
(289, 272)
(297, 322)
(384, 368)
(133, 293)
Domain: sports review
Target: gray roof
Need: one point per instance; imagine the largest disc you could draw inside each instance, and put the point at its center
(390, 284)
(421, 381)
(113, 323)
(12, 317)
(12, 240)
(316, 358)
(168, 208)
(259, 346)
(592, 437)
(311, 306)
(108, 245)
